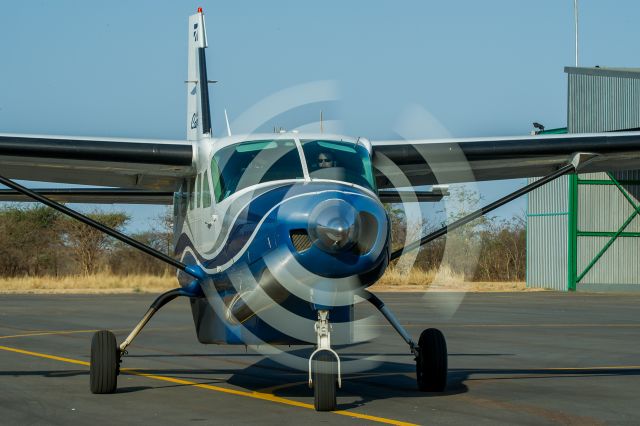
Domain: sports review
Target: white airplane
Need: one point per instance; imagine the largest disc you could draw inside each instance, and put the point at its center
(278, 236)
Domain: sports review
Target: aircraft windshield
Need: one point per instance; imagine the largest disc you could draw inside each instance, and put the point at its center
(249, 163)
(343, 161)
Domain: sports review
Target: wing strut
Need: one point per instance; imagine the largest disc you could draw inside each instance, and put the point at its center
(106, 356)
(569, 168)
(194, 271)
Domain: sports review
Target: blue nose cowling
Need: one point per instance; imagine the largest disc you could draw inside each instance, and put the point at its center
(334, 225)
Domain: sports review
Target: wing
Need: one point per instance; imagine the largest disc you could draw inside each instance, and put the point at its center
(124, 163)
(426, 162)
(94, 196)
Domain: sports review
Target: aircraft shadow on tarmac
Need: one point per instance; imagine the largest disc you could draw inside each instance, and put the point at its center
(388, 380)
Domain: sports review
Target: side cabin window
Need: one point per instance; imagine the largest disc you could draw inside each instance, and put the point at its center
(216, 180)
(250, 163)
(191, 192)
(197, 191)
(206, 193)
(338, 160)
(180, 200)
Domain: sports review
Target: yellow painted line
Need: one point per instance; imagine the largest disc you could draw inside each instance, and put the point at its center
(250, 394)
(40, 355)
(47, 333)
(54, 332)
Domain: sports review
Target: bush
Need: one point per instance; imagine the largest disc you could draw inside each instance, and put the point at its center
(487, 249)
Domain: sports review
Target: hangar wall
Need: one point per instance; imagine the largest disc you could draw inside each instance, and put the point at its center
(582, 230)
(547, 236)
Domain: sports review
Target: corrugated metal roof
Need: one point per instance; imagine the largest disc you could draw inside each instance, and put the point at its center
(605, 71)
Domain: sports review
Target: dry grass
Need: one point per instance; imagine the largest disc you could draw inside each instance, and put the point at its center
(443, 279)
(102, 283)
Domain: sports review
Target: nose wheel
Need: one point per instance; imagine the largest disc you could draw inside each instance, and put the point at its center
(431, 361)
(325, 381)
(324, 367)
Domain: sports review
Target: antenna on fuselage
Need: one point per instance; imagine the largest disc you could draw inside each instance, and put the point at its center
(226, 118)
(321, 123)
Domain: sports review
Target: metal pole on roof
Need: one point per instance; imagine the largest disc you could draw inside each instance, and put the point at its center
(575, 17)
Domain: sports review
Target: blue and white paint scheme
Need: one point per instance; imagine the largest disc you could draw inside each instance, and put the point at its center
(261, 197)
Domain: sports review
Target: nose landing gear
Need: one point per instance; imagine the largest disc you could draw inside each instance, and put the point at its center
(324, 367)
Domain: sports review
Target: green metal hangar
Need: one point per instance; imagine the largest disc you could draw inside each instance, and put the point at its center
(583, 230)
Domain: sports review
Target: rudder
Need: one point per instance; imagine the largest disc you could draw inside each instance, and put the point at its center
(198, 113)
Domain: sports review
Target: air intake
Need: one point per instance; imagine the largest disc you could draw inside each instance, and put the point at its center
(300, 239)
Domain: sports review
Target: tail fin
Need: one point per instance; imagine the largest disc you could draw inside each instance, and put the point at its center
(198, 115)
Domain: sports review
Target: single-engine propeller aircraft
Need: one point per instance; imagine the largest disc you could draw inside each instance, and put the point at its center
(270, 227)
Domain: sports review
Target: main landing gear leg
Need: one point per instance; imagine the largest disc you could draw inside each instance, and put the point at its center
(430, 352)
(106, 355)
(324, 367)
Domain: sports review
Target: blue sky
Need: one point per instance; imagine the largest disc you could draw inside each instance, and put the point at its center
(480, 68)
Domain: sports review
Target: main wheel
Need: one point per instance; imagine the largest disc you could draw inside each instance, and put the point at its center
(325, 377)
(431, 363)
(105, 356)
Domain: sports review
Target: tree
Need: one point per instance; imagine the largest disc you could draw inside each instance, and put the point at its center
(458, 249)
(29, 241)
(125, 260)
(487, 249)
(87, 245)
(503, 255)
(397, 218)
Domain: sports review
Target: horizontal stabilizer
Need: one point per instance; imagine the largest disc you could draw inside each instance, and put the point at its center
(391, 196)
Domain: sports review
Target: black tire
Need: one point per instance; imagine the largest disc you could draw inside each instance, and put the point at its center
(105, 357)
(431, 363)
(325, 378)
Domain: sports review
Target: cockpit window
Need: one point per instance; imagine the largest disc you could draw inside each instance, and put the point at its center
(249, 163)
(343, 161)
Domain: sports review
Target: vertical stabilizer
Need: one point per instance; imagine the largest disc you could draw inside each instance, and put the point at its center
(198, 114)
